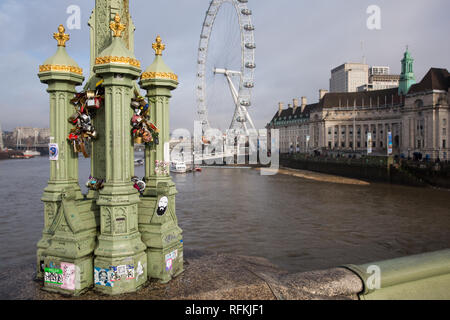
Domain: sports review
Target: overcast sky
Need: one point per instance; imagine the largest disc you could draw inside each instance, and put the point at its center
(298, 43)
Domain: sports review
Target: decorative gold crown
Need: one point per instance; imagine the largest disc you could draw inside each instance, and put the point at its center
(60, 36)
(158, 46)
(116, 26)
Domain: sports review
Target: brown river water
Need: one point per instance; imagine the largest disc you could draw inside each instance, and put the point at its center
(295, 223)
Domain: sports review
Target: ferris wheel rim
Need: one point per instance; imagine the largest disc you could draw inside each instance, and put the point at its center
(246, 82)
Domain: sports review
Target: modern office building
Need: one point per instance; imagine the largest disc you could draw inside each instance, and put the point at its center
(348, 77)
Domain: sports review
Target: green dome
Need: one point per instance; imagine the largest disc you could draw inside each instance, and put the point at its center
(116, 52)
(61, 58)
(159, 70)
(61, 62)
(159, 65)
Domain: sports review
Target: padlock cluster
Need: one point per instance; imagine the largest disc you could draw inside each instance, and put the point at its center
(86, 104)
(95, 184)
(138, 184)
(143, 130)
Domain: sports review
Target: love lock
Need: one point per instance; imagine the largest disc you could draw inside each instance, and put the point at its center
(94, 103)
(147, 137)
(136, 119)
(90, 94)
(85, 118)
(93, 134)
(139, 184)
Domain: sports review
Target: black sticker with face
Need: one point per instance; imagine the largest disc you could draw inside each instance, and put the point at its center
(162, 206)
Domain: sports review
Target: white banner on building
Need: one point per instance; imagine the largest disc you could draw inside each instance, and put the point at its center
(369, 143)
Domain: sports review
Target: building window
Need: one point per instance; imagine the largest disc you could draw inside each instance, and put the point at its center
(381, 144)
(444, 144)
(343, 144)
(359, 144)
(329, 144)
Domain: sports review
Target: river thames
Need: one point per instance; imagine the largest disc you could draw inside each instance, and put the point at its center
(295, 223)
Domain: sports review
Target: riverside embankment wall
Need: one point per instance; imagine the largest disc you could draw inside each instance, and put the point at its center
(373, 169)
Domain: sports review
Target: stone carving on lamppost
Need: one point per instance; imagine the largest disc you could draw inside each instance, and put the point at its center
(158, 222)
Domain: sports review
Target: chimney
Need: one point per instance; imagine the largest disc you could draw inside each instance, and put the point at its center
(296, 105)
(322, 92)
(280, 108)
(304, 103)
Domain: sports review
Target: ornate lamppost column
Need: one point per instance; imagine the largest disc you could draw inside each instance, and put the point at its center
(64, 255)
(120, 261)
(158, 222)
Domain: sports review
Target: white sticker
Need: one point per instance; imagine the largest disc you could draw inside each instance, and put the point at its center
(53, 150)
(122, 270)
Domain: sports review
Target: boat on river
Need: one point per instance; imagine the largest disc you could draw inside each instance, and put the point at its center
(178, 167)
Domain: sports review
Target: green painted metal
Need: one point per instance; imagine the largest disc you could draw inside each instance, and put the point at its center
(418, 277)
(94, 240)
(160, 233)
(119, 241)
(70, 226)
(407, 78)
(100, 34)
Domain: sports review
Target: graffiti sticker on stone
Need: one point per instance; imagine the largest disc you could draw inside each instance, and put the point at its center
(130, 272)
(69, 275)
(121, 271)
(169, 259)
(173, 255)
(168, 264)
(102, 277)
(53, 276)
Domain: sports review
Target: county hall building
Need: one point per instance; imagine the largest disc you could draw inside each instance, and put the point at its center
(415, 114)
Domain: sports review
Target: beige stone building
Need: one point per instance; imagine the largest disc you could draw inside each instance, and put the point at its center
(340, 122)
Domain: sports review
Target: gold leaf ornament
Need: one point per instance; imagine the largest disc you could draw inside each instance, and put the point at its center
(116, 26)
(158, 46)
(61, 37)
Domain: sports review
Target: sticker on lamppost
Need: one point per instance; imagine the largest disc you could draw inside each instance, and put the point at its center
(389, 143)
(162, 206)
(53, 150)
(369, 143)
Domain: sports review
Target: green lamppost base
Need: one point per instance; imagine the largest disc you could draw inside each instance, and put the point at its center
(68, 276)
(161, 234)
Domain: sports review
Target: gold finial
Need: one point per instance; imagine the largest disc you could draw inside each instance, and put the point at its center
(60, 36)
(116, 26)
(158, 46)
